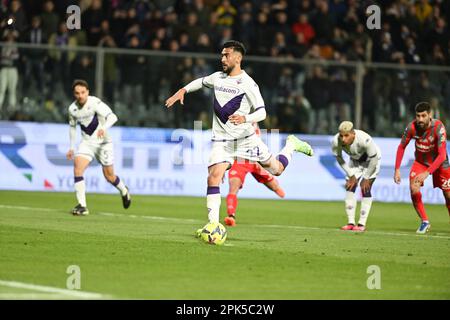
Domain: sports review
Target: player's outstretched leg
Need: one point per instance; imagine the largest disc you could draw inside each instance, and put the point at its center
(80, 165)
(299, 145)
(277, 165)
(274, 185)
(420, 209)
(108, 172)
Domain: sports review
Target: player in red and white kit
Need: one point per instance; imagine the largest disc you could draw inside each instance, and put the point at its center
(236, 178)
(430, 158)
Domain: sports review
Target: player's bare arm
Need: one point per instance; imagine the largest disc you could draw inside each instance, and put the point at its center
(397, 176)
(179, 95)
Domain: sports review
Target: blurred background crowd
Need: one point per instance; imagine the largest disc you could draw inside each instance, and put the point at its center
(305, 69)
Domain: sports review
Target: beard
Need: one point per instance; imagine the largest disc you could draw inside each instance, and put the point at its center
(227, 69)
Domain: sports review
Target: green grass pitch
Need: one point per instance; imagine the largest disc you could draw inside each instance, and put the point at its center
(279, 250)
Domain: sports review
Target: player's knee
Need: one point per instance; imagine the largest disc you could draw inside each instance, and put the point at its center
(414, 189)
(278, 172)
(214, 178)
(78, 172)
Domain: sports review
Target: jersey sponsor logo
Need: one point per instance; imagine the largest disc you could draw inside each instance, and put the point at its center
(227, 89)
(424, 147)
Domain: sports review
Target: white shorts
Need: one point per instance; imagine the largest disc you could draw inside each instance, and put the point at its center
(103, 152)
(360, 168)
(251, 148)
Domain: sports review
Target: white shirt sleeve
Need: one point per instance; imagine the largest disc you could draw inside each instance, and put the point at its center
(105, 111)
(338, 154)
(259, 115)
(72, 131)
(254, 96)
(373, 158)
(199, 83)
(371, 148)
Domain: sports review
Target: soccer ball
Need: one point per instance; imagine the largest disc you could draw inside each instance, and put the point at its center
(214, 233)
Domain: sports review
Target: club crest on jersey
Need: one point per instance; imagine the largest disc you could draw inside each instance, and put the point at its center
(239, 81)
(431, 139)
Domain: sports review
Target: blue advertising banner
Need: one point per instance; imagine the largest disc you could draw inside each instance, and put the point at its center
(174, 162)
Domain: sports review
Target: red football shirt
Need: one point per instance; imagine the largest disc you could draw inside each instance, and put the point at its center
(431, 145)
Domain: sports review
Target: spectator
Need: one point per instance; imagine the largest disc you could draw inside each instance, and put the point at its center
(110, 72)
(203, 13)
(192, 29)
(18, 15)
(8, 71)
(154, 73)
(226, 14)
(244, 29)
(204, 44)
(316, 91)
(281, 25)
(132, 75)
(83, 68)
(35, 58)
(263, 34)
(49, 18)
(61, 59)
(91, 20)
(323, 22)
(411, 54)
(423, 11)
(305, 28)
(341, 98)
(299, 48)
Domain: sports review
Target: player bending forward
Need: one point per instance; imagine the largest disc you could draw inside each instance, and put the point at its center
(236, 178)
(95, 118)
(365, 159)
(233, 137)
(430, 158)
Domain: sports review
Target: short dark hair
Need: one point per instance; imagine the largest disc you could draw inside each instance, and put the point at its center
(423, 106)
(80, 82)
(236, 46)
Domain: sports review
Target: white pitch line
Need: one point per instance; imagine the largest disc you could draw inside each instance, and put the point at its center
(111, 214)
(27, 208)
(31, 296)
(34, 287)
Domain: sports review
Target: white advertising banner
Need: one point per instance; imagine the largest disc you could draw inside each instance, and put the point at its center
(174, 162)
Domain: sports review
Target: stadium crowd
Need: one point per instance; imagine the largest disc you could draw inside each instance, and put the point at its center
(35, 84)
